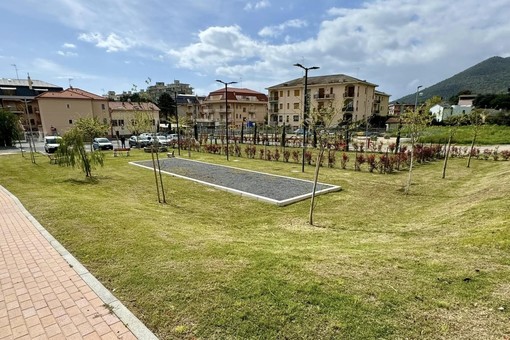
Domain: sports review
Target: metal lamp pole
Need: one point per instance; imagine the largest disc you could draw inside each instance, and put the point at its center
(226, 108)
(416, 98)
(305, 110)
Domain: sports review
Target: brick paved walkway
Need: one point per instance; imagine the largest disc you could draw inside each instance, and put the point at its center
(45, 293)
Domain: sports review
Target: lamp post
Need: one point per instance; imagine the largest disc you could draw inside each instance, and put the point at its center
(177, 124)
(416, 98)
(305, 110)
(226, 108)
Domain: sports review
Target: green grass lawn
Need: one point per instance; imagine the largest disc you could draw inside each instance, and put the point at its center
(211, 264)
(488, 135)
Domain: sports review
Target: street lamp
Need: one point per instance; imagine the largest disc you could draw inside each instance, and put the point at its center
(226, 108)
(305, 110)
(416, 98)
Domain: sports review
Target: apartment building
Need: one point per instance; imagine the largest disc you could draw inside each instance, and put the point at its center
(123, 113)
(154, 91)
(243, 106)
(60, 110)
(353, 99)
(17, 96)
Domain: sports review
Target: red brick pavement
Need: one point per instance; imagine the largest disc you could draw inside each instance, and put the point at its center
(42, 296)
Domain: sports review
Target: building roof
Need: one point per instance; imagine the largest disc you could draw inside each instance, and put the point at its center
(129, 106)
(24, 82)
(186, 99)
(233, 93)
(71, 93)
(323, 80)
(380, 93)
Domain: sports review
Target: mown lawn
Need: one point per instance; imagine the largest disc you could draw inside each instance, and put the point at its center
(210, 264)
(487, 135)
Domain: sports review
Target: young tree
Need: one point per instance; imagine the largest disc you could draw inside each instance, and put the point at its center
(453, 123)
(141, 121)
(323, 116)
(476, 118)
(71, 152)
(91, 127)
(414, 123)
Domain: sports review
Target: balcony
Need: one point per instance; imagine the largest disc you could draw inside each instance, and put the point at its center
(349, 94)
(273, 99)
(324, 96)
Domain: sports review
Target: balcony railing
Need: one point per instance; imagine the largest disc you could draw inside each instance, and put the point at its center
(349, 94)
(273, 99)
(324, 96)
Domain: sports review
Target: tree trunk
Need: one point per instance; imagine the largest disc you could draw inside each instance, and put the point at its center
(447, 153)
(472, 147)
(315, 180)
(408, 185)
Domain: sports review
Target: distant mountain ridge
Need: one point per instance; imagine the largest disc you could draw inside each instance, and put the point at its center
(490, 76)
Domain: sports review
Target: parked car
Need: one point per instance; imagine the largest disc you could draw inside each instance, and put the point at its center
(102, 144)
(140, 141)
(161, 140)
(300, 131)
(51, 143)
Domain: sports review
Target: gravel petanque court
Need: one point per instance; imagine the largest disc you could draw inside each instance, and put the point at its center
(279, 190)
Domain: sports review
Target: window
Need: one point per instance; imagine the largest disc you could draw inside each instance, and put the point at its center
(68, 106)
(288, 93)
(296, 93)
(287, 120)
(281, 93)
(296, 106)
(103, 107)
(70, 121)
(331, 90)
(288, 106)
(32, 121)
(280, 119)
(295, 118)
(281, 106)
(244, 109)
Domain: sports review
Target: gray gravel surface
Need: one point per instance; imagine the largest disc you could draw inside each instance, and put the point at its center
(282, 190)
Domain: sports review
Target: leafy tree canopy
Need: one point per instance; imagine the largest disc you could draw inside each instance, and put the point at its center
(166, 105)
(9, 128)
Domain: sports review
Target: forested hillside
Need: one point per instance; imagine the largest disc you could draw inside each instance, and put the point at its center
(489, 76)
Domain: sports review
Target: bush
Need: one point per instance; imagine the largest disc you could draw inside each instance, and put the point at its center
(295, 156)
(331, 158)
(286, 156)
(344, 160)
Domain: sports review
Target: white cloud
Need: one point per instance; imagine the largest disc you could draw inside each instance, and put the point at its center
(394, 43)
(273, 31)
(67, 53)
(257, 5)
(112, 42)
(217, 46)
(68, 46)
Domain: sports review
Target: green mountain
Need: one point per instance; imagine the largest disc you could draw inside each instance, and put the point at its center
(489, 76)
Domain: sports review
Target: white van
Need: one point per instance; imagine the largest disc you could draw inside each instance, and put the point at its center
(51, 143)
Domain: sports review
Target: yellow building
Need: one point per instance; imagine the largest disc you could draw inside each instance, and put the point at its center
(244, 105)
(60, 110)
(355, 100)
(121, 113)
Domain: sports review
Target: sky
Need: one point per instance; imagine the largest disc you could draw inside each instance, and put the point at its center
(121, 45)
